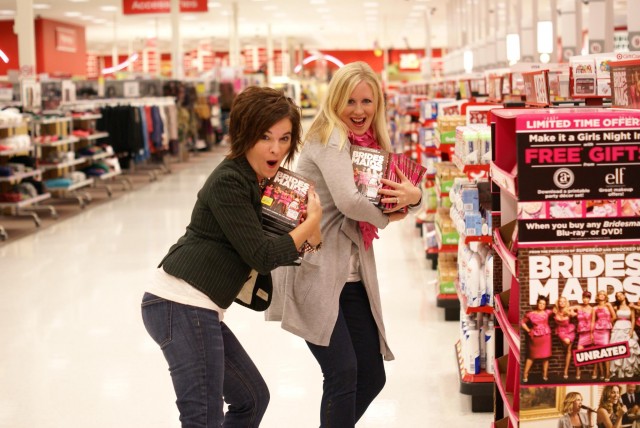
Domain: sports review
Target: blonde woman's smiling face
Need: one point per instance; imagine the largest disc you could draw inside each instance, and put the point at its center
(360, 110)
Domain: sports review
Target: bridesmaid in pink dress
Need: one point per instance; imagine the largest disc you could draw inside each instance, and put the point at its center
(602, 322)
(565, 330)
(584, 313)
(536, 325)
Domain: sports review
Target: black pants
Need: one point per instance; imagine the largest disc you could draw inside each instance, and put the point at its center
(352, 364)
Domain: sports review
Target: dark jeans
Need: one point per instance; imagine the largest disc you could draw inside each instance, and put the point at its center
(352, 364)
(207, 365)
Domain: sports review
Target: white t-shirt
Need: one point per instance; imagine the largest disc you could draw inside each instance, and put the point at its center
(178, 290)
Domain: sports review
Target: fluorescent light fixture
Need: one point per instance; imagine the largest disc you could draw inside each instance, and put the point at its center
(7, 12)
(467, 61)
(513, 48)
(545, 37)
(122, 65)
(312, 58)
(79, 1)
(370, 4)
(4, 57)
(72, 14)
(41, 6)
(109, 8)
(317, 1)
(214, 4)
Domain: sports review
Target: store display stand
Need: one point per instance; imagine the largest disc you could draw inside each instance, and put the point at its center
(25, 207)
(568, 190)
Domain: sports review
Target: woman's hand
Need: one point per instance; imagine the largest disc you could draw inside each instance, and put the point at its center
(401, 194)
(314, 208)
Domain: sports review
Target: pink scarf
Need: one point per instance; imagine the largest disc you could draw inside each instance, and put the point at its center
(369, 231)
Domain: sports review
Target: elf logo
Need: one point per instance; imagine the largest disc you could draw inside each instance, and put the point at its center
(563, 178)
(616, 177)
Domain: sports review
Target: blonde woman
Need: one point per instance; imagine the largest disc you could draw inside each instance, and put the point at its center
(572, 416)
(565, 329)
(333, 299)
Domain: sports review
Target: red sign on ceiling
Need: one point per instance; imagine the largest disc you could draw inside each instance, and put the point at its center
(134, 7)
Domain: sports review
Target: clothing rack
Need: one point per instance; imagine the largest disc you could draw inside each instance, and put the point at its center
(136, 165)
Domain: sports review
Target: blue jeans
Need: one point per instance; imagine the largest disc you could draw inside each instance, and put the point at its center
(352, 364)
(207, 364)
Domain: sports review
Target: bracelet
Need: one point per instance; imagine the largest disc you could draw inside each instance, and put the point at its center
(308, 248)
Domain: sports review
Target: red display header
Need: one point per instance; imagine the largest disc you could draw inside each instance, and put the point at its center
(135, 7)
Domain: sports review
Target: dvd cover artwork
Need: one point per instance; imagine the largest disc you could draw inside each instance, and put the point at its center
(371, 165)
(284, 200)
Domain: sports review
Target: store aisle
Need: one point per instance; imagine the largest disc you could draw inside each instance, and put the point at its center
(75, 352)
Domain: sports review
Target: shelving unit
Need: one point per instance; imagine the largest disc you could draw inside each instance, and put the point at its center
(543, 216)
(86, 123)
(57, 156)
(30, 206)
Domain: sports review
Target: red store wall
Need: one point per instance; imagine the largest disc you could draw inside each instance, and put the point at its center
(9, 45)
(55, 58)
(49, 56)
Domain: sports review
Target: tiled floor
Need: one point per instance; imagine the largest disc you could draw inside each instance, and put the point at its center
(75, 353)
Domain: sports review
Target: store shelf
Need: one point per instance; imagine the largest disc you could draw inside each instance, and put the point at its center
(509, 259)
(500, 368)
(465, 306)
(61, 142)
(473, 172)
(13, 152)
(73, 186)
(98, 156)
(94, 136)
(19, 176)
(451, 306)
(26, 202)
(505, 180)
(60, 165)
(478, 386)
(511, 331)
(88, 116)
(51, 120)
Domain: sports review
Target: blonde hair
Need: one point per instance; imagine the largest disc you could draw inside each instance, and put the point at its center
(569, 399)
(340, 89)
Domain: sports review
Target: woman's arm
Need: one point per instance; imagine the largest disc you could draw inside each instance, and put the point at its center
(337, 172)
(309, 229)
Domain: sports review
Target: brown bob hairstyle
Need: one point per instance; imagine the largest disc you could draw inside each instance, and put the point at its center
(254, 111)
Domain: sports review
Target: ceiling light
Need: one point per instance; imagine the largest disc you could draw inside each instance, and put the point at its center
(78, 1)
(87, 18)
(72, 14)
(371, 12)
(370, 4)
(419, 7)
(41, 6)
(214, 4)
(323, 10)
(109, 8)
(7, 12)
(189, 18)
(317, 1)
(270, 7)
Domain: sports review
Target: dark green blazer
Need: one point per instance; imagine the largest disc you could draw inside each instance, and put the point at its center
(224, 239)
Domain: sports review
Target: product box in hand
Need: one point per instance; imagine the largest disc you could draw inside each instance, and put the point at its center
(371, 165)
(284, 200)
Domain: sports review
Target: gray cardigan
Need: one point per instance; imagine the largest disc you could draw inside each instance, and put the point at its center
(306, 298)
